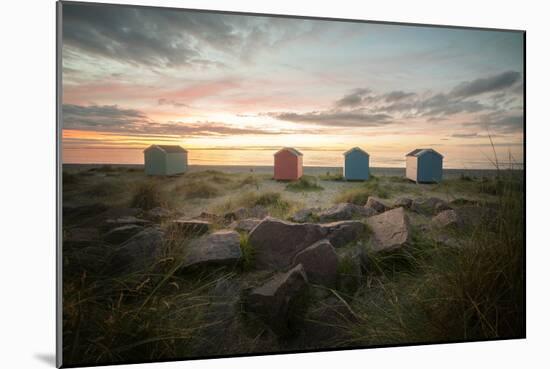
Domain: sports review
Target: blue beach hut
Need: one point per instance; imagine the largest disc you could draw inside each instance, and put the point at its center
(356, 165)
(424, 166)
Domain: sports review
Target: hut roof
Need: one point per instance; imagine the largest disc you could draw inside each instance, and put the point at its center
(420, 152)
(292, 150)
(356, 149)
(168, 148)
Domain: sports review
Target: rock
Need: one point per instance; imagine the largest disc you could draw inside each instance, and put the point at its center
(209, 217)
(257, 211)
(342, 233)
(320, 263)
(276, 242)
(139, 252)
(345, 211)
(463, 202)
(402, 202)
(390, 230)
(302, 216)
(376, 204)
(429, 206)
(80, 237)
(447, 219)
(245, 225)
(159, 213)
(189, 227)
(349, 269)
(218, 248)
(279, 300)
(122, 233)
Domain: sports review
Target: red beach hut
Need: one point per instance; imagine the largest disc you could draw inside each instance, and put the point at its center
(288, 164)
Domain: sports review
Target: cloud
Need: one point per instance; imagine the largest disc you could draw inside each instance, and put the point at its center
(112, 119)
(398, 95)
(335, 118)
(171, 102)
(500, 122)
(353, 99)
(465, 135)
(490, 84)
(157, 37)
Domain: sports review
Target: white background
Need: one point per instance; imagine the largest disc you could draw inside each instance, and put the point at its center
(27, 182)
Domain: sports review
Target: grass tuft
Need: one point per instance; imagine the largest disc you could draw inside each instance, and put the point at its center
(197, 190)
(305, 183)
(147, 195)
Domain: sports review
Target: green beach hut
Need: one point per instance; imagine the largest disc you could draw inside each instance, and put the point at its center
(356, 165)
(165, 160)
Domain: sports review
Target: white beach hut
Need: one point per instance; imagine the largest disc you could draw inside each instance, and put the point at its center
(165, 160)
(424, 166)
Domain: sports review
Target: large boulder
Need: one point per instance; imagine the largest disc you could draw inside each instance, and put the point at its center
(189, 227)
(257, 211)
(342, 233)
(320, 262)
(245, 225)
(158, 213)
(276, 242)
(218, 248)
(375, 203)
(120, 234)
(345, 211)
(429, 206)
(80, 236)
(304, 215)
(139, 252)
(279, 300)
(448, 219)
(390, 230)
(402, 202)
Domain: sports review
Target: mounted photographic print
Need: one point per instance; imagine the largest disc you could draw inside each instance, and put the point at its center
(243, 184)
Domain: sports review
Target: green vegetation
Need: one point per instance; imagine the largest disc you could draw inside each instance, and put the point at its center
(331, 177)
(197, 190)
(429, 291)
(250, 180)
(147, 195)
(248, 253)
(357, 196)
(105, 188)
(305, 183)
(432, 292)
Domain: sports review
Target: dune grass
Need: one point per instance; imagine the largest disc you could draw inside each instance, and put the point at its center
(357, 196)
(432, 292)
(147, 195)
(197, 189)
(304, 184)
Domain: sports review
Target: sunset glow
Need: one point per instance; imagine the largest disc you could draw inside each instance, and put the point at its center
(233, 89)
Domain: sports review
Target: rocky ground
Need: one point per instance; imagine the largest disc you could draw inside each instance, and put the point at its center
(280, 270)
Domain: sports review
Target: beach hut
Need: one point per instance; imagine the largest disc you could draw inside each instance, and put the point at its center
(356, 165)
(288, 164)
(424, 165)
(165, 160)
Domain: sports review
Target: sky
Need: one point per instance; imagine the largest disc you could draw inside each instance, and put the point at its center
(233, 89)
